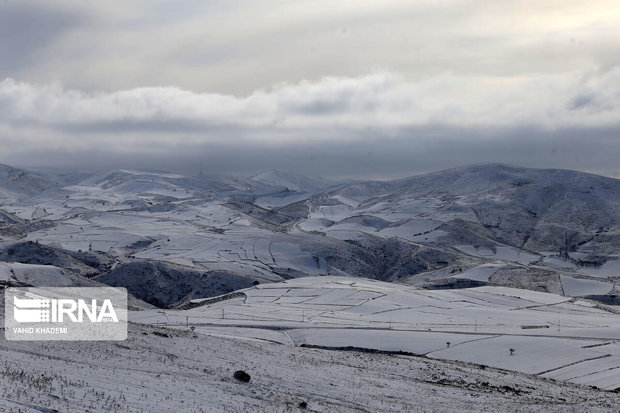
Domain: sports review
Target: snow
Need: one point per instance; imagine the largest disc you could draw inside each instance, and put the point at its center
(601, 372)
(192, 221)
(610, 268)
(40, 275)
(558, 263)
(479, 273)
(418, 343)
(176, 369)
(333, 213)
(547, 331)
(193, 371)
(501, 253)
(581, 286)
(280, 199)
(532, 355)
(512, 219)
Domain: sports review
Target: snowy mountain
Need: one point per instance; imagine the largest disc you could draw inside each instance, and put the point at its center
(556, 224)
(18, 183)
(536, 209)
(548, 230)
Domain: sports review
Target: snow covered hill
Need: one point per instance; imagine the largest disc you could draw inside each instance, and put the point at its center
(554, 223)
(172, 368)
(550, 335)
(18, 274)
(16, 183)
(547, 230)
(534, 209)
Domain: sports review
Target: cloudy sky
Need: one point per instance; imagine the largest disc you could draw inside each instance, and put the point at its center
(363, 89)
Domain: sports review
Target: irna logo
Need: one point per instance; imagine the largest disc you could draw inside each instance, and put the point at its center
(42, 310)
(65, 313)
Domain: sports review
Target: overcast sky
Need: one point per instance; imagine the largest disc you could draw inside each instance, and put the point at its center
(362, 89)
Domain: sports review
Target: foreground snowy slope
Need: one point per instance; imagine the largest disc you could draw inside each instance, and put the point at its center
(160, 369)
(551, 336)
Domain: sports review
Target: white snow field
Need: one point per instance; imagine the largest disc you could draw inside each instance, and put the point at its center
(269, 334)
(41, 275)
(552, 336)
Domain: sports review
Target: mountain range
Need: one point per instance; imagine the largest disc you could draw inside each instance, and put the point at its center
(170, 238)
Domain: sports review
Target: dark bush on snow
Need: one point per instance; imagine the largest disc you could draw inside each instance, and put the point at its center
(242, 376)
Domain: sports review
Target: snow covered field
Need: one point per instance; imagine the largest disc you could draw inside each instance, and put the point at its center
(551, 335)
(176, 369)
